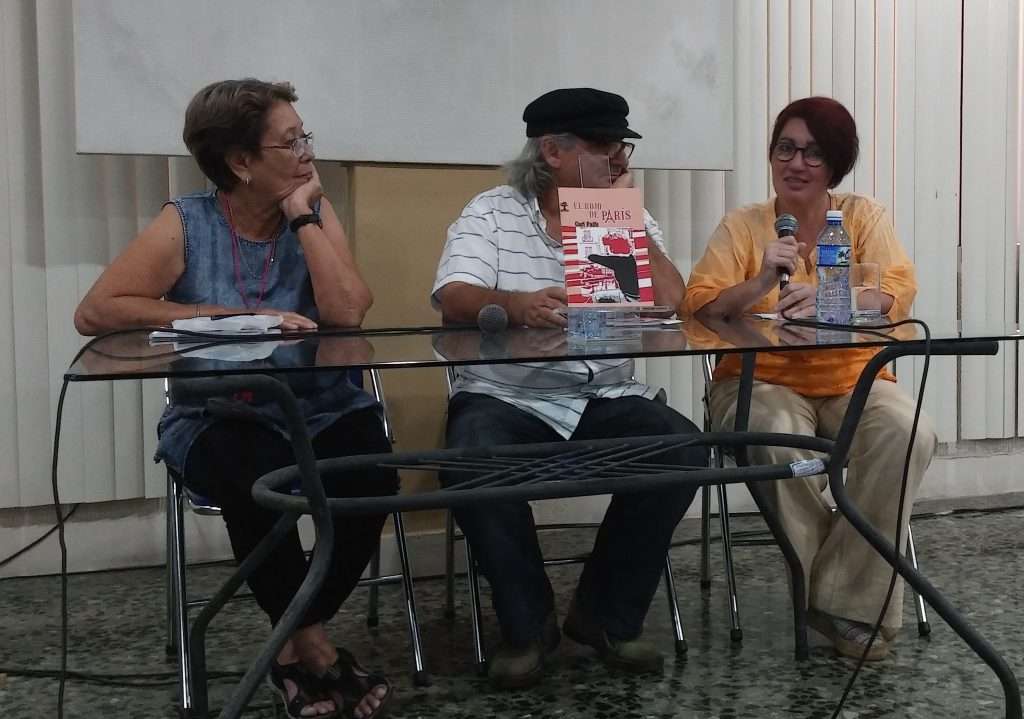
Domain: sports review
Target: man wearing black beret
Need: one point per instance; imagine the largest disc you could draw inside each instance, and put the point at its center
(506, 249)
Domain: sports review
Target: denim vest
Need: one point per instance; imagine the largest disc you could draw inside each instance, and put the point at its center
(209, 278)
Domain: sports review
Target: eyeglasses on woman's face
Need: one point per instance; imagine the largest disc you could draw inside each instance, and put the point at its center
(299, 146)
(785, 150)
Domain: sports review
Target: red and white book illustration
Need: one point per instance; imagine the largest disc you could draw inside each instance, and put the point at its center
(607, 262)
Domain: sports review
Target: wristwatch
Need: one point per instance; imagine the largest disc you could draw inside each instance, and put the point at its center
(308, 219)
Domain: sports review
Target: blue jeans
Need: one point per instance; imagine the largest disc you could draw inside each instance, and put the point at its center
(624, 569)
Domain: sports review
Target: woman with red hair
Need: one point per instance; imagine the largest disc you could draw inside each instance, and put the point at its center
(813, 147)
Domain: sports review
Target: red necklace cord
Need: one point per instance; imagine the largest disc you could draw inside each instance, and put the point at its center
(236, 250)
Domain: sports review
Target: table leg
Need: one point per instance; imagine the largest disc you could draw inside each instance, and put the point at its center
(767, 509)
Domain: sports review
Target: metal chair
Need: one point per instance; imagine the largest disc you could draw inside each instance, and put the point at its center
(759, 537)
(452, 535)
(178, 603)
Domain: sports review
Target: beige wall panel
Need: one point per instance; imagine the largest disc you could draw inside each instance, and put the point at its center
(400, 217)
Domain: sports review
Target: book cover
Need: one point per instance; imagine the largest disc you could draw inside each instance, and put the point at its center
(606, 247)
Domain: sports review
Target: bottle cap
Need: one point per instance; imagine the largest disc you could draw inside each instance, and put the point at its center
(834, 216)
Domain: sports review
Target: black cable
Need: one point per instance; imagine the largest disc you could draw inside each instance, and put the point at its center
(63, 553)
(897, 551)
(10, 558)
(876, 628)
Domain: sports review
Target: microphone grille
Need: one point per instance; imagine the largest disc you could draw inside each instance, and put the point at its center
(786, 224)
(492, 318)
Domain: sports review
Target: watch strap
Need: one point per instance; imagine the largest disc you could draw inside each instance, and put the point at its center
(307, 219)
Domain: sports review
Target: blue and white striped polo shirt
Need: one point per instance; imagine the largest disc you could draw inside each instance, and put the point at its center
(499, 242)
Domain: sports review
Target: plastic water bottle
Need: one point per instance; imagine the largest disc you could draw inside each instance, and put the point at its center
(833, 301)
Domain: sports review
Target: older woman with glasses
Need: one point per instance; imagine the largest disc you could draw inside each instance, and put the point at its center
(813, 147)
(265, 241)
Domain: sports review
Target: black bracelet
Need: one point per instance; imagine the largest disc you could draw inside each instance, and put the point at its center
(307, 219)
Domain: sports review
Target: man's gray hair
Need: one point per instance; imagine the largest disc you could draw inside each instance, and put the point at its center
(530, 173)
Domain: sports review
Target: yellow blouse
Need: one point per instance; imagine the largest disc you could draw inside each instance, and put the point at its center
(734, 255)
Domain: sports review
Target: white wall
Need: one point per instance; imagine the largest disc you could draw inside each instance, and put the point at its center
(484, 59)
(950, 172)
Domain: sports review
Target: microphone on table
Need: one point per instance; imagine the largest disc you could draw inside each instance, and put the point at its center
(785, 226)
(492, 321)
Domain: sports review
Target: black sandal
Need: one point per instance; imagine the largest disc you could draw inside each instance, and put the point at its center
(308, 690)
(348, 678)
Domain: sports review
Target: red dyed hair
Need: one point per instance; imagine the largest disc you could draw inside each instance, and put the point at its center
(832, 127)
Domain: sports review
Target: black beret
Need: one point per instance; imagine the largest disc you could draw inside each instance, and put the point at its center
(583, 111)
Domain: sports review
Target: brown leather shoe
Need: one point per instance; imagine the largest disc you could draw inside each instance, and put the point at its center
(633, 655)
(522, 667)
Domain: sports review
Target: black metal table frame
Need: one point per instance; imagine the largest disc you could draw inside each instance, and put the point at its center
(519, 479)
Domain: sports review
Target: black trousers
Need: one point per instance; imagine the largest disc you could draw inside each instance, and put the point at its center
(624, 569)
(227, 459)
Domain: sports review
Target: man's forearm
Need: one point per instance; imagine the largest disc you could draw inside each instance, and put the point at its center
(669, 288)
(461, 302)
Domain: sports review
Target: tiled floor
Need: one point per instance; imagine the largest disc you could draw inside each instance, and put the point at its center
(117, 626)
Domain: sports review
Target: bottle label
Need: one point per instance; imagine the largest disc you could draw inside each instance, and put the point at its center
(834, 255)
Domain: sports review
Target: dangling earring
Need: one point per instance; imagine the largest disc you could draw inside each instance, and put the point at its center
(247, 179)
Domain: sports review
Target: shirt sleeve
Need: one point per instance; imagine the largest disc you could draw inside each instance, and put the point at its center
(897, 277)
(654, 233)
(470, 252)
(721, 267)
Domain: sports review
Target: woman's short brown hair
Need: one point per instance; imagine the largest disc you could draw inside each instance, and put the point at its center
(230, 115)
(833, 129)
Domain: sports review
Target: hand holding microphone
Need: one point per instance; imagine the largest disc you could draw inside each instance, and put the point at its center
(783, 254)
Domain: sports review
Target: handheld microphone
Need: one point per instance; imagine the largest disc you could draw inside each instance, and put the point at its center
(785, 226)
(492, 321)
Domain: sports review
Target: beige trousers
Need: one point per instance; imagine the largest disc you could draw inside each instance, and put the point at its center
(844, 575)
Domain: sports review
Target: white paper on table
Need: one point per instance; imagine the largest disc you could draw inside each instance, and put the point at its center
(232, 325)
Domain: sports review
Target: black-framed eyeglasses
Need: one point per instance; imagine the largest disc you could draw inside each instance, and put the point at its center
(786, 151)
(613, 148)
(298, 146)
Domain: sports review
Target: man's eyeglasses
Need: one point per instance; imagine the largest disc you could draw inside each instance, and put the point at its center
(786, 151)
(298, 146)
(612, 149)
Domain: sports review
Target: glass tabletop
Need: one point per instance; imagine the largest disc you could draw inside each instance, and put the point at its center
(131, 354)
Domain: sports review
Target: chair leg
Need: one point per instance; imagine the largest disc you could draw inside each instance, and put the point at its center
(735, 630)
(673, 609)
(176, 568)
(170, 644)
(924, 628)
(420, 676)
(372, 613)
(449, 565)
(705, 538)
(474, 601)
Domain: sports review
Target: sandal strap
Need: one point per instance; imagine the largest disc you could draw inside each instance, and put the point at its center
(308, 689)
(348, 677)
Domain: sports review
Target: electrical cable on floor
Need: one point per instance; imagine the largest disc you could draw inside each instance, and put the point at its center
(38, 540)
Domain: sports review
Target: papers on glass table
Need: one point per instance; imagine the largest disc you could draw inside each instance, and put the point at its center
(230, 327)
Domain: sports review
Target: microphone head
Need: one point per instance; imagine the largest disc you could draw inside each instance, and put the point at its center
(786, 225)
(492, 319)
